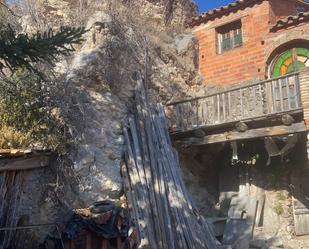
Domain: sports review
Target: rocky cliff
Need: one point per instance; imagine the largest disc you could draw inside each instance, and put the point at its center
(95, 90)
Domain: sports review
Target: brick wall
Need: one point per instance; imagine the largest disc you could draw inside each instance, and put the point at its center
(283, 8)
(248, 62)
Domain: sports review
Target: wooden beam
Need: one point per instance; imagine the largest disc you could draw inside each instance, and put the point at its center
(250, 134)
(38, 161)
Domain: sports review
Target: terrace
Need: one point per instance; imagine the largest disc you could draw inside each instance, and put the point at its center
(267, 108)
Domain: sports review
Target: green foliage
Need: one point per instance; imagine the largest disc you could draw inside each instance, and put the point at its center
(278, 208)
(281, 196)
(26, 113)
(26, 101)
(21, 50)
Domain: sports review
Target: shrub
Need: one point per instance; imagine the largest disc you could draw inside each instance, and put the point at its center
(278, 208)
(281, 196)
(25, 113)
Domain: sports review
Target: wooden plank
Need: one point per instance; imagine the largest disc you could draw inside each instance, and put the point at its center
(15, 152)
(240, 224)
(297, 91)
(229, 106)
(224, 107)
(146, 236)
(178, 119)
(250, 134)
(213, 117)
(274, 97)
(24, 163)
(241, 103)
(281, 95)
(88, 241)
(166, 216)
(261, 102)
(72, 245)
(218, 108)
(197, 112)
(104, 244)
(203, 116)
(300, 201)
(259, 194)
(288, 93)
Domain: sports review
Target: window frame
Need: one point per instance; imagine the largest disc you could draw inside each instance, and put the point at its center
(232, 30)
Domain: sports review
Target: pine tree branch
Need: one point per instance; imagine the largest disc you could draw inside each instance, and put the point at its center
(22, 51)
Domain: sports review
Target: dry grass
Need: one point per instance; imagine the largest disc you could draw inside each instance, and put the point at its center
(11, 138)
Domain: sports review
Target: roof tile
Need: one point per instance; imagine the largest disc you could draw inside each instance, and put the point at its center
(290, 20)
(204, 17)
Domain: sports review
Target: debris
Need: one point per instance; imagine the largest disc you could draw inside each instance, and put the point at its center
(273, 150)
(218, 225)
(163, 209)
(257, 243)
(103, 221)
(240, 224)
(235, 154)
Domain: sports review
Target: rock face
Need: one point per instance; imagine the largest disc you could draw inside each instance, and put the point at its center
(100, 80)
(95, 87)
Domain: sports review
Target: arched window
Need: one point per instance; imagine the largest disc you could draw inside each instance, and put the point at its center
(290, 61)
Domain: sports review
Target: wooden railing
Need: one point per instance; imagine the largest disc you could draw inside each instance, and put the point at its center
(273, 96)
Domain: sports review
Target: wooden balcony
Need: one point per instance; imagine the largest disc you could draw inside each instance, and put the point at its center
(256, 102)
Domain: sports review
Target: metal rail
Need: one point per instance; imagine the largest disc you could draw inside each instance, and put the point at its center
(277, 95)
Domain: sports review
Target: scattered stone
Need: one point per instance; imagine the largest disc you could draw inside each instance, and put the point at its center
(275, 242)
(289, 229)
(258, 243)
(183, 42)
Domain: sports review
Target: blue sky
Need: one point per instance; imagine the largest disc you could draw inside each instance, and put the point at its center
(205, 5)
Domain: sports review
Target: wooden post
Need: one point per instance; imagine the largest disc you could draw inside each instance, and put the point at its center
(224, 110)
(274, 96)
(229, 106)
(281, 95)
(72, 245)
(241, 104)
(218, 107)
(262, 99)
(288, 93)
(104, 244)
(88, 241)
(197, 112)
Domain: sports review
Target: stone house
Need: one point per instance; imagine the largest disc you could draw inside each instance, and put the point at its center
(257, 51)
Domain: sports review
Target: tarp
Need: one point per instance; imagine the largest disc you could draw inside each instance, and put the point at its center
(108, 229)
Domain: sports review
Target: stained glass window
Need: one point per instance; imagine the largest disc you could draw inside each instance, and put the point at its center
(290, 61)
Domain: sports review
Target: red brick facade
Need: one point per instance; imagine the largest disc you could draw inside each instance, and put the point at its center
(250, 61)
